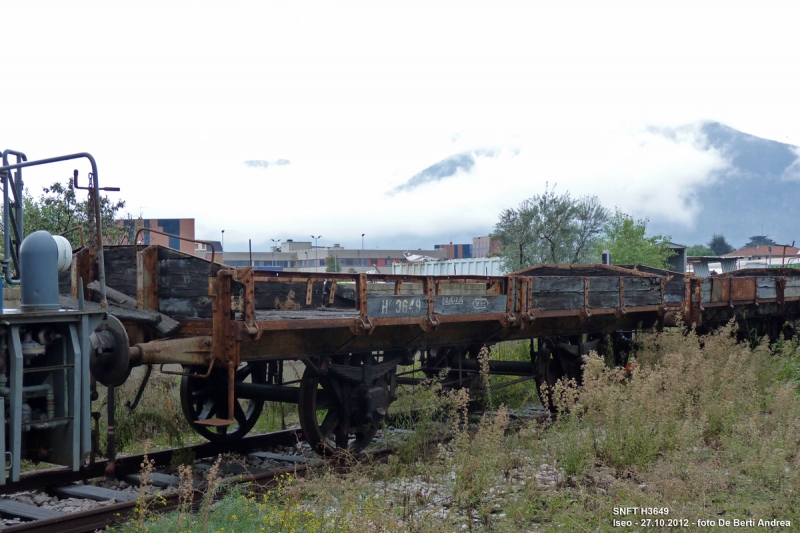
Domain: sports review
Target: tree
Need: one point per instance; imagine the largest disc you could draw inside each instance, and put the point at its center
(699, 249)
(59, 210)
(549, 228)
(719, 245)
(332, 264)
(629, 244)
(759, 240)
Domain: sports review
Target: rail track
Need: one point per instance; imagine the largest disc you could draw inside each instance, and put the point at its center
(114, 506)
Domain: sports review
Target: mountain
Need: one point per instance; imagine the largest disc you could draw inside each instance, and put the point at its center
(758, 194)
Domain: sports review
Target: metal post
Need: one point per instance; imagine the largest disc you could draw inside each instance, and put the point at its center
(362, 250)
(221, 260)
(316, 251)
(274, 246)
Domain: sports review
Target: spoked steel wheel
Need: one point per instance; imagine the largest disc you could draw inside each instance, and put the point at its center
(339, 413)
(206, 399)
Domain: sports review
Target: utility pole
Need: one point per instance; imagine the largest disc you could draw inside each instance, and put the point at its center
(316, 252)
(274, 246)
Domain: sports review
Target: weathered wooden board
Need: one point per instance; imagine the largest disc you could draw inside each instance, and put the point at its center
(557, 293)
(165, 327)
(765, 288)
(674, 289)
(120, 262)
(705, 290)
(792, 289)
(642, 291)
(113, 295)
(125, 314)
(182, 285)
(603, 293)
(65, 283)
(392, 306)
(469, 304)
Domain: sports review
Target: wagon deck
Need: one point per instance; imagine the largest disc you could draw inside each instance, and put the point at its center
(273, 311)
(539, 301)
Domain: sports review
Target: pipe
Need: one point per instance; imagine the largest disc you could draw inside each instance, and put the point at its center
(15, 225)
(110, 448)
(184, 351)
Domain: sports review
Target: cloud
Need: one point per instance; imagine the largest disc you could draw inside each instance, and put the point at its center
(259, 163)
(445, 168)
(792, 172)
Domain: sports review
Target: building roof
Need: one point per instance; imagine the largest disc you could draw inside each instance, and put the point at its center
(763, 250)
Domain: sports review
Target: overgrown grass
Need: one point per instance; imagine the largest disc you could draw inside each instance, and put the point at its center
(517, 394)
(701, 425)
(157, 419)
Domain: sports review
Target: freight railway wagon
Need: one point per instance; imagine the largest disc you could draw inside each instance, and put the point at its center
(235, 331)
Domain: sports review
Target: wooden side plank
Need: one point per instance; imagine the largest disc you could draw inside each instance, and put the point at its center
(603, 293)
(792, 289)
(705, 290)
(120, 262)
(642, 291)
(557, 293)
(765, 288)
(183, 285)
(393, 306)
(469, 304)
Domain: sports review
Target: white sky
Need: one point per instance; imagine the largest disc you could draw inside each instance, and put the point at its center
(172, 99)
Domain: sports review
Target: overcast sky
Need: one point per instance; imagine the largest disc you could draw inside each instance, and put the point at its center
(410, 122)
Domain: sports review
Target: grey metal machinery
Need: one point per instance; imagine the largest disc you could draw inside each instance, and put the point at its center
(45, 351)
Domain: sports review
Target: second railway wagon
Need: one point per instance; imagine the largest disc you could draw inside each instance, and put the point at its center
(235, 330)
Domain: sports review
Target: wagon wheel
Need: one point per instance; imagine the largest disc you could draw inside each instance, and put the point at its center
(207, 398)
(331, 425)
(549, 372)
(562, 359)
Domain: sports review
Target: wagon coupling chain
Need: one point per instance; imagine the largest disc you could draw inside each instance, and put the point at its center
(361, 326)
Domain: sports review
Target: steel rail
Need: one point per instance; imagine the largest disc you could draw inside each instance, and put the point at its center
(131, 463)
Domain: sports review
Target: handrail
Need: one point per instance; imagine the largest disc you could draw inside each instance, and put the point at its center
(80, 231)
(95, 189)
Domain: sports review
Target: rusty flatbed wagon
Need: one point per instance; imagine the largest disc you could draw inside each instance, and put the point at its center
(234, 329)
(236, 332)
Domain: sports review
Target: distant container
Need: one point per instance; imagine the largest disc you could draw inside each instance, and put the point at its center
(475, 267)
